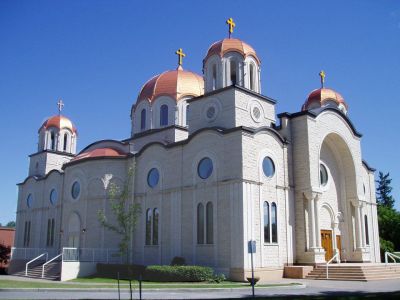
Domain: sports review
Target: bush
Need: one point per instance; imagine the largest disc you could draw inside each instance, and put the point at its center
(178, 273)
(218, 278)
(178, 261)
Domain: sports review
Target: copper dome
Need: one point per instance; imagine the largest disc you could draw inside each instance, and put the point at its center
(99, 152)
(224, 46)
(59, 122)
(323, 95)
(175, 84)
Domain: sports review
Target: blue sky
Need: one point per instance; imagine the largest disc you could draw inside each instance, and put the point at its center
(96, 55)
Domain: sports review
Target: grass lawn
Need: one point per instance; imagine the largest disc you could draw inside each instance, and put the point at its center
(96, 283)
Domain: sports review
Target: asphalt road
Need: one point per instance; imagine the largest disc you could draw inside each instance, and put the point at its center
(309, 287)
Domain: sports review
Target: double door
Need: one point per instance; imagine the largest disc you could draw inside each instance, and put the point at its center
(327, 243)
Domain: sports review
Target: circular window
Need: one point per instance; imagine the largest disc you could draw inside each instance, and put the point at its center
(323, 174)
(153, 177)
(268, 167)
(211, 112)
(256, 112)
(75, 190)
(53, 196)
(205, 168)
(29, 200)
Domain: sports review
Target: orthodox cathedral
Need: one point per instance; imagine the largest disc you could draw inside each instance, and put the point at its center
(215, 168)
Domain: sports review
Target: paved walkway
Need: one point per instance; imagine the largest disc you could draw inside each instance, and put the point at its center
(308, 287)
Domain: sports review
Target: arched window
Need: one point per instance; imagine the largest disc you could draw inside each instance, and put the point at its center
(200, 224)
(209, 223)
(164, 115)
(155, 226)
(366, 230)
(187, 114)
(148, 227)
(65, 141)
(52, 141)
(267, 236)
(274, 223)
(233, 77)
(143, 119)
(214, 77)
(252, 77)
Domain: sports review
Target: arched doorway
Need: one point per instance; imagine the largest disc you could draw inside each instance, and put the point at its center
(74, 230)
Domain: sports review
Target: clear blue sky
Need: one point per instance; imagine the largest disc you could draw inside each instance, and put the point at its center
(96, 55)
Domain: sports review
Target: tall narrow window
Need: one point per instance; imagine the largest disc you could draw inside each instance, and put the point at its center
(252, 83)
(200, 224)
(155, 226)
(164, 115)
(143, 119)
(233, 72)
(366, 230)
(25, 233)
(65, 142)
(48, 232)
(274, 222)
(187, 114)
(148, 227)
(52, 141)
(209, 223)
(52, 233)
(267, 238)
(214, 77)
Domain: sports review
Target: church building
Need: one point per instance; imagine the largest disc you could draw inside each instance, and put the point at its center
(215, 168)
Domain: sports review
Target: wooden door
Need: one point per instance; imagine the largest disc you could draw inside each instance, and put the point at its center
(326, 241)
(339, 245)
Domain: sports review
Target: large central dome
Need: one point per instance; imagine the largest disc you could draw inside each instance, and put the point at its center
(175, 84)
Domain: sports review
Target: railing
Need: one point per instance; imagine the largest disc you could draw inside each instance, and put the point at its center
(392, 256)
(29, 253)
(92, 255)
(32, 260)
(46, 263)
(337, 257)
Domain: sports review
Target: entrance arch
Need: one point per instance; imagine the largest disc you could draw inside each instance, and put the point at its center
(74, 230)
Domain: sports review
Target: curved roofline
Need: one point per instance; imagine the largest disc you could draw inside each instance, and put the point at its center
(82, 160)
(369, 168)
(314, 113)
(38, 178)
(101, 141)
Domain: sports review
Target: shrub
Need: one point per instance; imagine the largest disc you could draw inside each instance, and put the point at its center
(178, 261)
(178, 273)
(218, 278)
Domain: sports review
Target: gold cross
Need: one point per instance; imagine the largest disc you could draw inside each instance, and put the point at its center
(231, 25)
(322, 75)
(180, 55)
(60, 105)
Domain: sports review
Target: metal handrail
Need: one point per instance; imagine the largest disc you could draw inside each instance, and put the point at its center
(337, 256)
(392, 256)
(46, 263)
(26, 266)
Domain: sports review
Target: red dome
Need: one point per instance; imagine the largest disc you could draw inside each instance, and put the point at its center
(59, 122)
(224, 46)
(175, 84)
(321, 96)
(100, 152)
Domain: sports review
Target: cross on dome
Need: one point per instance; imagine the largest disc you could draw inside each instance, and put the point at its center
(180, 54)
(322, 75)
(60, 105)
(231, 25)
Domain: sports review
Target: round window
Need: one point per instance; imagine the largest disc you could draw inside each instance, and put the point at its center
(323, 174)
(53, 196)
(210, 112)
(268, 167)
(153, 177)
(205, 168)
(256, 112)
(75, 190)
(29, 200)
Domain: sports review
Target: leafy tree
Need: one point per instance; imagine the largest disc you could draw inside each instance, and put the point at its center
(5, 252)
(383, 196)
(125, 210)
(11, 224)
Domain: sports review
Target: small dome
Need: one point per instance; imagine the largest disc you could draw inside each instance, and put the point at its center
(100, 152)
(175, 84)
(322, 97)
(227, 45)
(59, 122)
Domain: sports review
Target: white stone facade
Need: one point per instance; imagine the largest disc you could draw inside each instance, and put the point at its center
(210, 221)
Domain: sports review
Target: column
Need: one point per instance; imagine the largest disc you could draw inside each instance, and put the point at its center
(362, 224)
(358, 226)
(317, 227)
(311, 215)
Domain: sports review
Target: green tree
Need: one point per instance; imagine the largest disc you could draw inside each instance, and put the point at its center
(125, 210)
(11, 224)
(5, 252)
(383, 191)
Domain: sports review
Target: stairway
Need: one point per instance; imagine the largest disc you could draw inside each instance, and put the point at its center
(52, 270)
(356, 272)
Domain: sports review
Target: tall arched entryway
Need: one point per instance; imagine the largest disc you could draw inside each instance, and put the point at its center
(74, 230)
